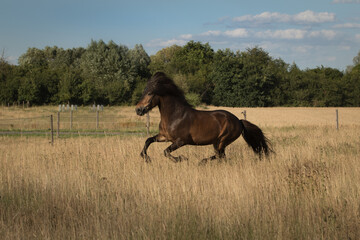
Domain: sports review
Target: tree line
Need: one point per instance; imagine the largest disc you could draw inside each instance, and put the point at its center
(108, 73)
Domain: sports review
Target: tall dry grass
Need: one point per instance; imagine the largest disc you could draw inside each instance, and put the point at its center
(99, 188)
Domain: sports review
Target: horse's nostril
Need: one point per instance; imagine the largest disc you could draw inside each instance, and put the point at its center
(139, 111)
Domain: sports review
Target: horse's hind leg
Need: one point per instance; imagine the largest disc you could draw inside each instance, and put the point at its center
(219, 154)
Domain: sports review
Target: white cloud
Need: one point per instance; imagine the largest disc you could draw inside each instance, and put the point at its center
(166, 43)
(12, 59)
(346, 1)
(327, 34)
(264, 17)
(173, 42)
(302, 49)
(186, 36)
(296, 34)
(308, 38)
(211, 33)
(219, 42)
(312, 17)
(224, 37)
(331, 59)
(306, 17)
(282, 34)
(237, 33)
(344, 48)
(347, 25)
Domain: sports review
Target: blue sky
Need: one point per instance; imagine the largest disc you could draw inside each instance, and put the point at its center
(310, 33)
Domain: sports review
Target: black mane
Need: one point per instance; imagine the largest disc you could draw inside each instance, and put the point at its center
(162, 85)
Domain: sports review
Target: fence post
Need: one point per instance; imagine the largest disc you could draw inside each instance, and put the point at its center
(52, 129)
(244, 113)
(71, 118)
(97, 120)
(147, 123)
(58, 124)
(337, 119)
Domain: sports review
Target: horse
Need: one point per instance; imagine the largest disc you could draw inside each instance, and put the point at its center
(182, 125)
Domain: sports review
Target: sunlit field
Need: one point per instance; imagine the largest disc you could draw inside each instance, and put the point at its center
(99, 187)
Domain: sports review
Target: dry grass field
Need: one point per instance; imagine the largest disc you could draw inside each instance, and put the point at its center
(99, 187)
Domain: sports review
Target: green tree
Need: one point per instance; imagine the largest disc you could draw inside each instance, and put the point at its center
(69, 89)
(227, 72)
(39, 83)
(193, 57)
(39, 86)
(140, 61)
(251, 78)
(111, 73)
(189, 66)
(194, 61)
(332, 88)
(297, 88)
(163, 61)
(259, 72)
(33, 58)
(9, 81)
(324, 87)
(352, 87)
(108, 73)
(356, 61)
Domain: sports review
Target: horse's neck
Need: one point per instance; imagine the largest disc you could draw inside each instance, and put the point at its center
(171, 108)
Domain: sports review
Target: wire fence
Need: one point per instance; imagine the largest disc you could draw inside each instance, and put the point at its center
(88, 122)
(77, 124)
(24, 124)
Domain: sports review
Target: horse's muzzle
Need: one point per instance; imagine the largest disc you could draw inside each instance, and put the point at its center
(140, 111)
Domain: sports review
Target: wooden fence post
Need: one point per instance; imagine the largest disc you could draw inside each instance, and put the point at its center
(71, 118)
(147, 123)
(52, 129)
(58, 125)
(244, 113)
(97, 120)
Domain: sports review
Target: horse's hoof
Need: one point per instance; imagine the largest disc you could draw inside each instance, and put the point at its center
(183, 158)
(145, 157)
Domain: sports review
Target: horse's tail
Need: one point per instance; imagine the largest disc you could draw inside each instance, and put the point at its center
(255, 138)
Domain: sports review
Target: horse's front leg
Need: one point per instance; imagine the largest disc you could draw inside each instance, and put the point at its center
(175, 145)
(150, 140)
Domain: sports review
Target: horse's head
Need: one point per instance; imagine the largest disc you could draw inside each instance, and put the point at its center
(147, 102)
(158, 86)
(150, 96)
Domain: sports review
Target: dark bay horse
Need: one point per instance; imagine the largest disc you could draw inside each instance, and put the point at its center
(182, 125)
